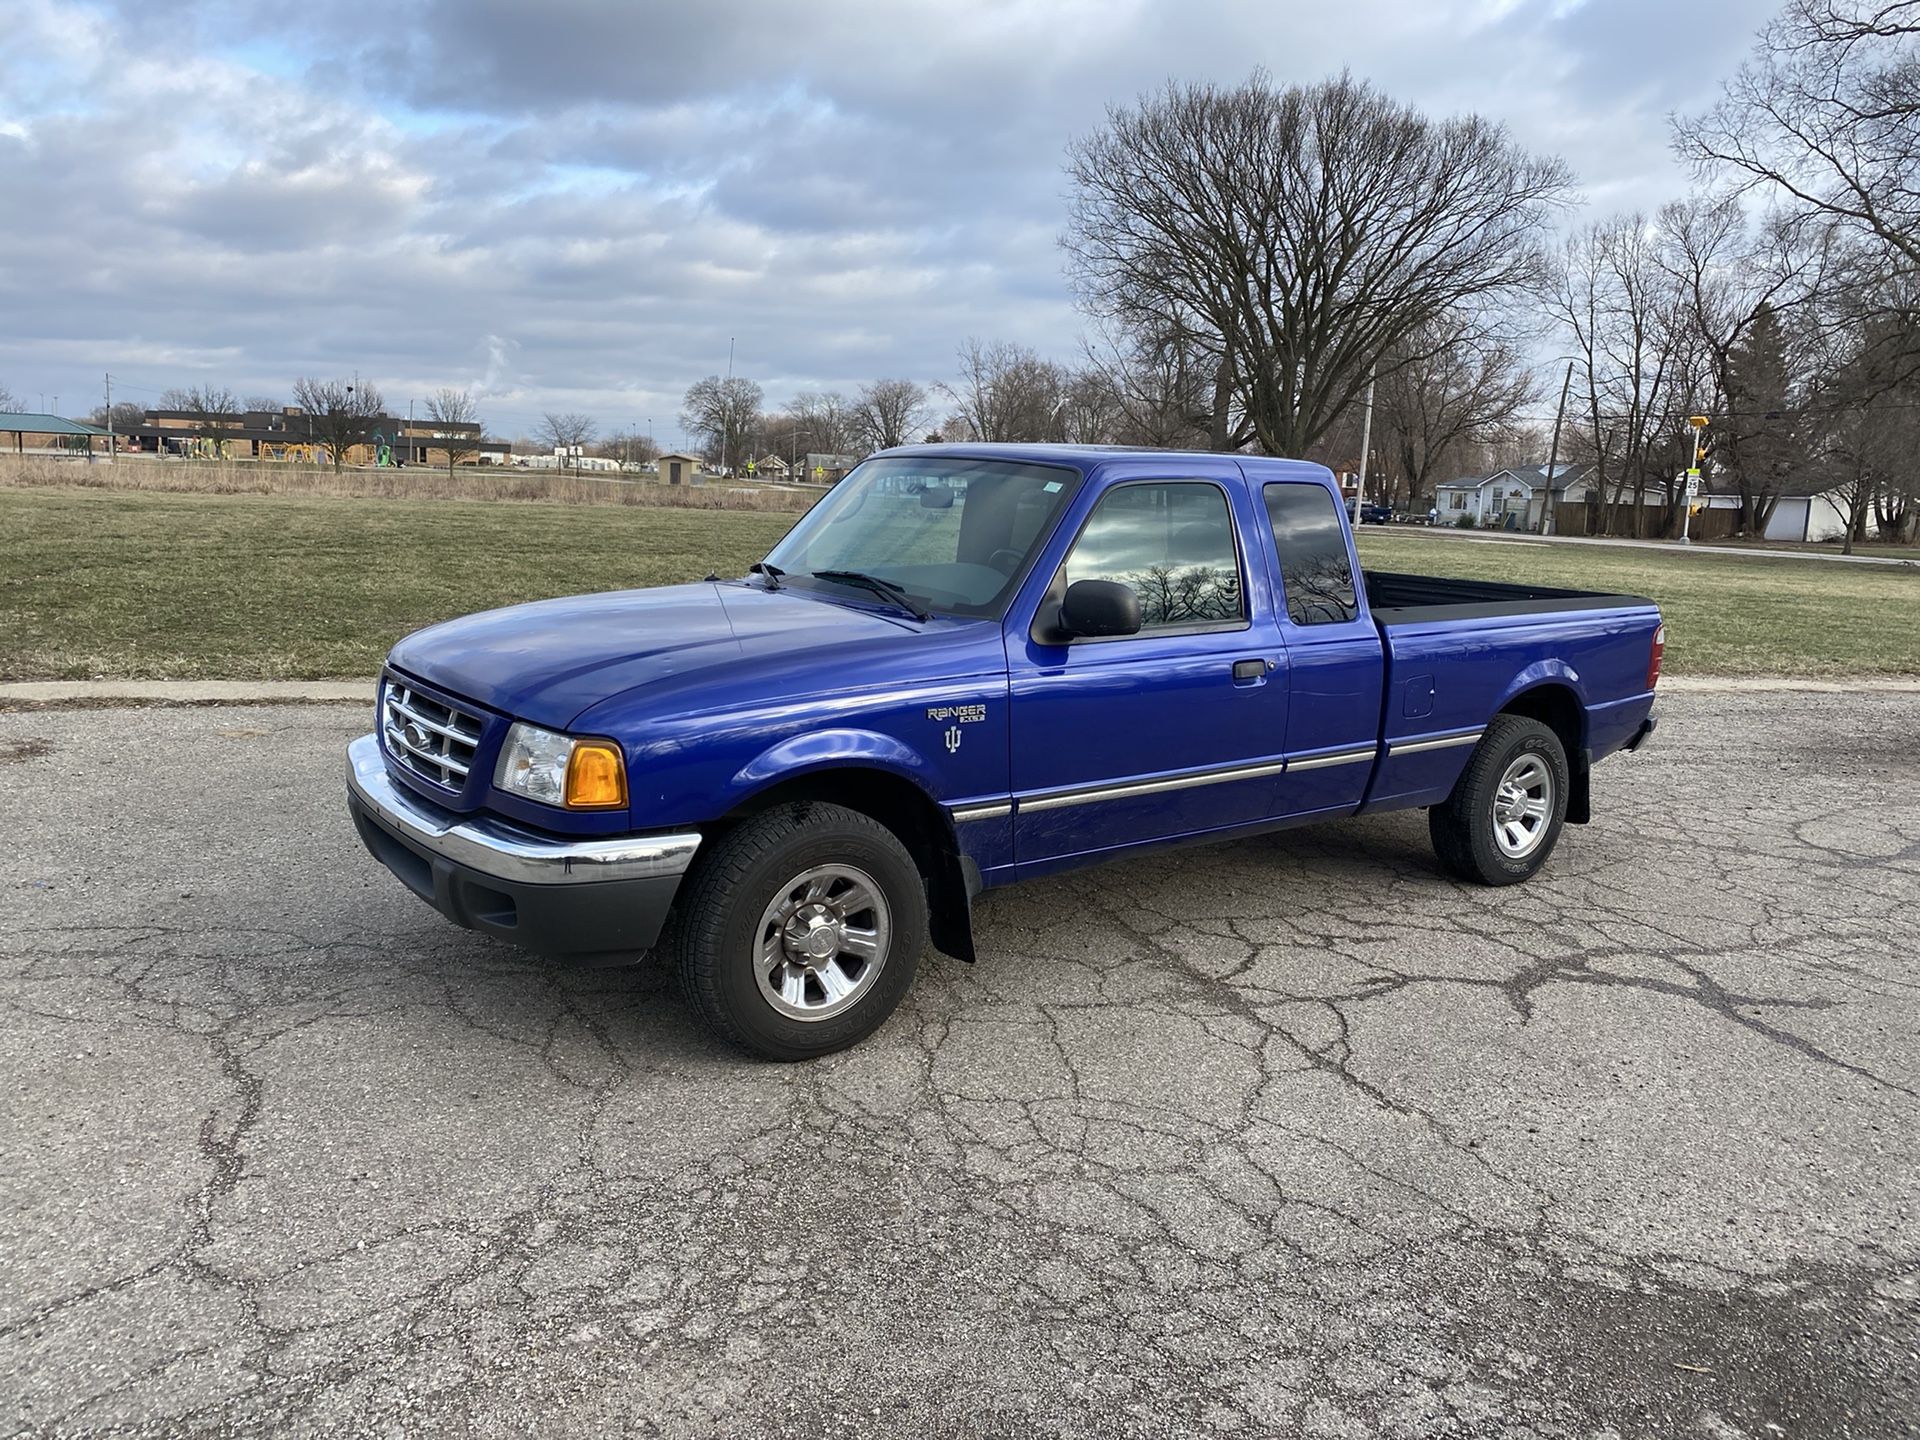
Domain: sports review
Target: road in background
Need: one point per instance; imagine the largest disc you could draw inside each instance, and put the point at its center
(1291, 1136)
(1521, 537)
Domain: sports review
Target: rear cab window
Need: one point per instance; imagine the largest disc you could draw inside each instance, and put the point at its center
(1316, 569)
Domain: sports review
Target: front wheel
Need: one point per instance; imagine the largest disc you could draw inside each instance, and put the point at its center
(801, 930)
(1505, 813)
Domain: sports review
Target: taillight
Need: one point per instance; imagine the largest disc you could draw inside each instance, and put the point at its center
(1659, 654)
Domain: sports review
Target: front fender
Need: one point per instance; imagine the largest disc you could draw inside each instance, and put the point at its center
(829, 749)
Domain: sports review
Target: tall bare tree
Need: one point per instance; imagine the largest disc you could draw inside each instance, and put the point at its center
(1162, 376)
(1006, 392)
(341, 413)
(1459, 381)
(561, 430)
(1310, 230)
(9, 402)
(1731, 269)
(888, 413)
(724, 415)
(1635, 367)
(821, 420)
(1828, 111)
(448, 409)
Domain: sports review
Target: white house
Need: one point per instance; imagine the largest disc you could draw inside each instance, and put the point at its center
(1520, 492)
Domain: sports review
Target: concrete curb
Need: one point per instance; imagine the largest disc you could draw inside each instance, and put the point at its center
(1784, 685)
(52, 694)
(83, 694)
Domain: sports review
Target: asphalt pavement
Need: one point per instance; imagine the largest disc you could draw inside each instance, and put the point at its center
(1293, 1136)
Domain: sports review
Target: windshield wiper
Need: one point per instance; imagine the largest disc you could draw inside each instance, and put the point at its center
(884, 588)
(772, 572)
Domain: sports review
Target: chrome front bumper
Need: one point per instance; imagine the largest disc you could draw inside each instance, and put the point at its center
(507, 852)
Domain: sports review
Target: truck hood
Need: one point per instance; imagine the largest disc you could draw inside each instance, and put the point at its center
(550, 661)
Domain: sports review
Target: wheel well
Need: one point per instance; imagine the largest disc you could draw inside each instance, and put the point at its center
(912, 815)
(1559, 709)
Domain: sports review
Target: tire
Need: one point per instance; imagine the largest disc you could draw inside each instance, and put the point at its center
(764, 890)
(1468, 831)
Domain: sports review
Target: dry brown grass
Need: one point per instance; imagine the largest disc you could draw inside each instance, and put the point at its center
(412, 483)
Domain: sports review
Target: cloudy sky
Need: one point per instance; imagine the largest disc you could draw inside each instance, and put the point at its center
(574, 204)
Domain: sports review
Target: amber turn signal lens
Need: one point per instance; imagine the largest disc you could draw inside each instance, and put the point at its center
(596, 777)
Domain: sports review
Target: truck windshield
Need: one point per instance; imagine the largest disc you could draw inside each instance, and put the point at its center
(956, 535)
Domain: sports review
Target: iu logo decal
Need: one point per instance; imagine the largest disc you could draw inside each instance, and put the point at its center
(953, 738)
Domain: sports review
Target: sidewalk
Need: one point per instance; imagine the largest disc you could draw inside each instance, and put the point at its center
(1672, 547)
(54, 694)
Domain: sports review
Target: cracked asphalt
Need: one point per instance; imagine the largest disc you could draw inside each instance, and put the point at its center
(1288, 1137)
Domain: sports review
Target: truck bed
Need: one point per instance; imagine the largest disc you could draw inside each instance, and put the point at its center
(1397, 599)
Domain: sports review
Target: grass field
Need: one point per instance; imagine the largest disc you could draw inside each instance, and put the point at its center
(147, 585)
(1725, 615)
(162, 586)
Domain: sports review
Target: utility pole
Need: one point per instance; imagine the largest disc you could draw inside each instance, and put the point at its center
(1366, 443)
(1553, 452)
(109, 418)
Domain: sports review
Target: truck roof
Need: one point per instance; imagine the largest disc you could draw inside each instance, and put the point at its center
(1086, 457)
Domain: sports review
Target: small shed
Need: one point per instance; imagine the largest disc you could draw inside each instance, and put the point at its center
(62, 434)
(679, 469)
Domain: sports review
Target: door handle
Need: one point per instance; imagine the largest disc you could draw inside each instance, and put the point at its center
(1248, 672)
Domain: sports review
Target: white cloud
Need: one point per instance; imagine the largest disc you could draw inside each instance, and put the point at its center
(576, 205)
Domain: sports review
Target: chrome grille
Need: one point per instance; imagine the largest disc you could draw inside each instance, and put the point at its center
(427, 737)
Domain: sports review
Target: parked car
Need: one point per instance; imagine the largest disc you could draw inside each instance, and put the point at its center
(969, 666)
(1376, 514)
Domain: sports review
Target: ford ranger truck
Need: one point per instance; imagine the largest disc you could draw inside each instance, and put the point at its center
(965, 667)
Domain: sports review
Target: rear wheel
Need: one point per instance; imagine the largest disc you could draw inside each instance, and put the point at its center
(800, 931)
(1505, 813)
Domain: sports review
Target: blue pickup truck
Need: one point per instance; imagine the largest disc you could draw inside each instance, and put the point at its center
(970, 665)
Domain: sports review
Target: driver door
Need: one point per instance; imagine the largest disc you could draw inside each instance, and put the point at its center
(1176, 730)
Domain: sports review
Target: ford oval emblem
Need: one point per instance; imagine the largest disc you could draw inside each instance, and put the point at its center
(417, 736)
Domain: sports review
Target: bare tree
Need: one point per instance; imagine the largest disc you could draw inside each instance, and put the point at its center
(1459, 381)
(340, 413)
(823, 421)
(1162, 378)
(1309, 230)
(629, 447)
(723, 414)
(560, 431)
(256, 404)
(127, 416)
(1828, 111)
(889, 413)
(448, 408)
(211, 409)
(1006, 392)
(1731, 270)
(9, 402)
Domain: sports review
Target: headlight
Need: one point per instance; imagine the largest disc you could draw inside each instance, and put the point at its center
(560, 770)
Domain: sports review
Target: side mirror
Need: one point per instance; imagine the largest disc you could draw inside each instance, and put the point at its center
(1096, 608)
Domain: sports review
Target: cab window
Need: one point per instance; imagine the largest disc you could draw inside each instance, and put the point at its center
(1172, 541)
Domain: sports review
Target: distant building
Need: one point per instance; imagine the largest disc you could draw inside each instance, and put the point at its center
(770, 467)
(289, 434)
(679, 469)
(1811, 507)
(825, 469)
(1521, 492)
